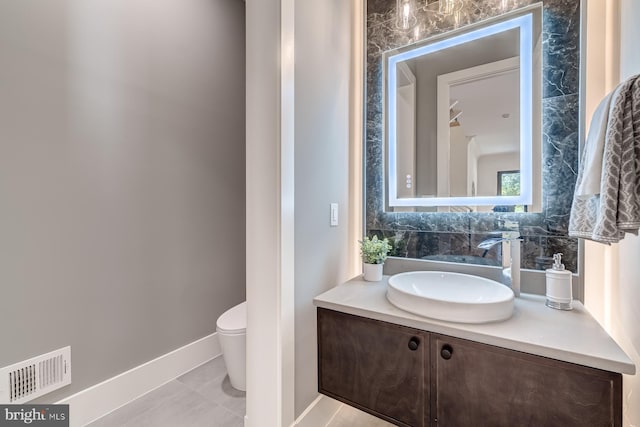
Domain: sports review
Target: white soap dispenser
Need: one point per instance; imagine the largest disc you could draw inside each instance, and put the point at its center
(559, 291)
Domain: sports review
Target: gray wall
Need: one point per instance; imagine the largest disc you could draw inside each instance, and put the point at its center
(630, 247)
(322, 70)
(625, 292)
(121, 178)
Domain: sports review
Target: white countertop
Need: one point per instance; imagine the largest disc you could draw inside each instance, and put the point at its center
(572, 336)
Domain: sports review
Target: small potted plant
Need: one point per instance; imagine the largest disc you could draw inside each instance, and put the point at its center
(374, 252)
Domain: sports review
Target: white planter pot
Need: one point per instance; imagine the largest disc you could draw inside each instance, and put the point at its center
(372, 272)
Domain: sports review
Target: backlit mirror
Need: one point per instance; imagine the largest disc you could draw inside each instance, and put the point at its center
(453, 233)
(463, 119)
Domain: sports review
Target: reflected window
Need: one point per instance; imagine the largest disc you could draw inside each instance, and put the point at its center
(509, 185)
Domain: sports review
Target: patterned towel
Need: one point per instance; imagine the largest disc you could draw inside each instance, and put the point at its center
(606, 217)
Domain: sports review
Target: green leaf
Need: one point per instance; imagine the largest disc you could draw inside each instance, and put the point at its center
(374, 250)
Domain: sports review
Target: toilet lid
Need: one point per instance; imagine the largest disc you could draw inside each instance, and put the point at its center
(234, 319)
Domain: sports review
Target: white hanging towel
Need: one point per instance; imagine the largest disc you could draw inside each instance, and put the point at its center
(606, 202)
(591, 164)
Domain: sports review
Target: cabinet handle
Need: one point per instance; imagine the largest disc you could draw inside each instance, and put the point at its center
(446, 352)
(414, 343)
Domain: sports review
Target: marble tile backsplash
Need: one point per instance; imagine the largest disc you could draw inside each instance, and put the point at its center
(455, 236)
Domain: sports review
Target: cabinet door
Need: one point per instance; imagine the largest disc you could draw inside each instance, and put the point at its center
(374, 366)
(483, 385)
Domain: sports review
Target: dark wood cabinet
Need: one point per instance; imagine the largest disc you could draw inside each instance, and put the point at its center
(478, 384)
(416, 378)
(374, 366)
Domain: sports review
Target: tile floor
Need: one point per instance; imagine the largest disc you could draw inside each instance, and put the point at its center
(200, 398)
(351, 417)
(204, 398)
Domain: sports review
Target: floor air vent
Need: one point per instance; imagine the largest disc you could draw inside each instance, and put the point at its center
(26, 380)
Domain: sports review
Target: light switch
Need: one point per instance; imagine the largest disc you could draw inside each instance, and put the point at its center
(334, 215)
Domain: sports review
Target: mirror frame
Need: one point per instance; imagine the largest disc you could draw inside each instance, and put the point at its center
(391, 59)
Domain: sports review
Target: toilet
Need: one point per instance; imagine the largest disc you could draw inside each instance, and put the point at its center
(232, 333)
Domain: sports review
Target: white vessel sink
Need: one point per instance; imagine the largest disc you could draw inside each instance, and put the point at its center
(452, 297)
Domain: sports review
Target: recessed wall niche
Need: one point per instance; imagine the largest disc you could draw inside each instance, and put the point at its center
(455, 236)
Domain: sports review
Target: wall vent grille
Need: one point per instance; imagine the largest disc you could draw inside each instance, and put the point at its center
(32, 378)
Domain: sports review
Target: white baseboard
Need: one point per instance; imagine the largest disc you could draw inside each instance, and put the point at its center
(319, 413)
(98, 400)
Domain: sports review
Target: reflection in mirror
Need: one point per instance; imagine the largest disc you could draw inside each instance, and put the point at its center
(462, 111)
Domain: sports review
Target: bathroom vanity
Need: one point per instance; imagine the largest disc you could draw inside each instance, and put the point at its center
(541, 367)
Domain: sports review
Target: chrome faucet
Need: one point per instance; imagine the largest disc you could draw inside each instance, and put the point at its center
(510, 257)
